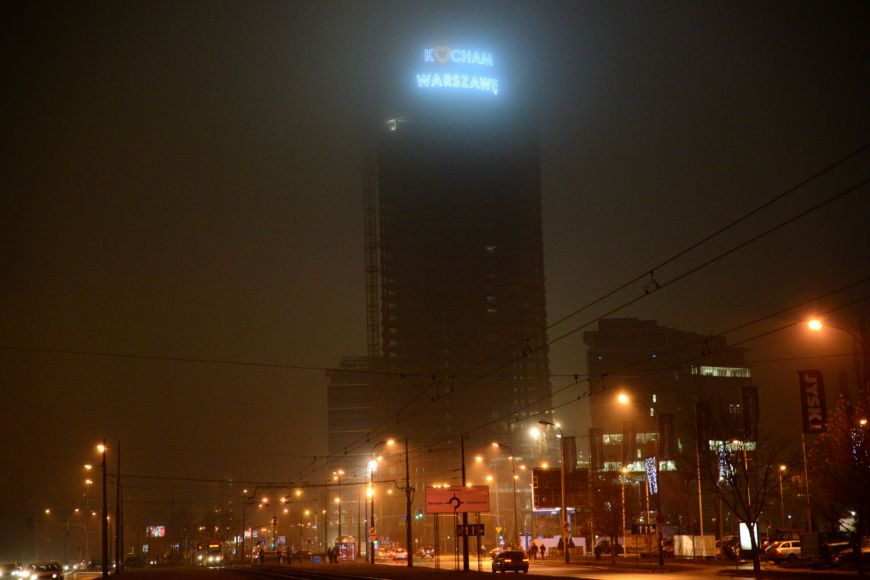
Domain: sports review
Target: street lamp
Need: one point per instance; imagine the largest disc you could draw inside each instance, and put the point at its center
(566, 536)
(782, 469)
(622, 480)
(336, 475)
(817, 325)
(625, 400)
(513, 461)
(101, 448)
(373, 466)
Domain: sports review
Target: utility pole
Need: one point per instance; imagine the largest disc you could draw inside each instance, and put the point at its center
(464, 514)
(119, 510)
(105, 523)
(408, 520)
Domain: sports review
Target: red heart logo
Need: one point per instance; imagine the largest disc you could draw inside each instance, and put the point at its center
(441, 54)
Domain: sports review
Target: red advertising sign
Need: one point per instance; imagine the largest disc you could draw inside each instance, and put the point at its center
(457, 499)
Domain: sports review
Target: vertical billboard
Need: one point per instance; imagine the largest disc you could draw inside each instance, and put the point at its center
(814, 411)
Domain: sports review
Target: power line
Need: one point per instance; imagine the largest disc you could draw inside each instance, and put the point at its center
(396, 417)
(685, 251)
(582, 377)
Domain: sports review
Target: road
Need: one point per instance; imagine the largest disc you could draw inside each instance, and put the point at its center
(426, 570)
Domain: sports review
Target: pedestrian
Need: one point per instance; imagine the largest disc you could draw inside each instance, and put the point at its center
(543, 551)
(533, 551)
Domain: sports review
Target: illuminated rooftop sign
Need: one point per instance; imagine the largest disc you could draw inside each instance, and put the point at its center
(459, 69)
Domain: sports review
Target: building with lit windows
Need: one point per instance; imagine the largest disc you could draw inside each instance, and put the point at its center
(666, 377)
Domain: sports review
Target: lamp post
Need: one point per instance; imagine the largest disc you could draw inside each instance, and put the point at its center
(336, 475)
(566, 535)
(622, 480)
(782, 469)
(101, 448)
(513, 461)
(88, 483)
(373, 465)
(625, 400)
(863, 364)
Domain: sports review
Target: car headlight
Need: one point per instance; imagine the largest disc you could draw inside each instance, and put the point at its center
(199, 557)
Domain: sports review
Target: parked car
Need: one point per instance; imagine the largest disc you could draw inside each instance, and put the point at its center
(513, 560)
(789, 550)
(729, 547)
(767, 554)
(668, 548)
(43, 570)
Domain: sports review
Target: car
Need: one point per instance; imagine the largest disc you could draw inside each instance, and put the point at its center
(40, 570)
(789, 550)
(668, 548)
(729, 547)
(511, 560)
(10, 569)
(400, 555)
(768, 550)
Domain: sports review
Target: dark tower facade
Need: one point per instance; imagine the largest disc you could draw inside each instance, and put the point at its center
(461, 262)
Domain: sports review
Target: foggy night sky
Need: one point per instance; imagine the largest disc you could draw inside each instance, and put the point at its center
(185, 180)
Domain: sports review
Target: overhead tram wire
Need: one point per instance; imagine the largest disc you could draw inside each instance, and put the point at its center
(681, 253)
(395, 418)
(582, 377)
(691, 271)
(374, 433)
(649, 272)
(589, 393)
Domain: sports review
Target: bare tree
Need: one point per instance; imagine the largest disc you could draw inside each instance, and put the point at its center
(738, 468)
(840, 462)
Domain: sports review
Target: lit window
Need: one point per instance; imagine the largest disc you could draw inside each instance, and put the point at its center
(652, 412)
(654, 397)
(489, 249)
(728, 372)
(490, 300)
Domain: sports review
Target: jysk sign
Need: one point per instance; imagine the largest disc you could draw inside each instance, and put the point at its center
(449, 68)
(813, 407)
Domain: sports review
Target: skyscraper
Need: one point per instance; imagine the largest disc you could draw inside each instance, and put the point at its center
(456, 288)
